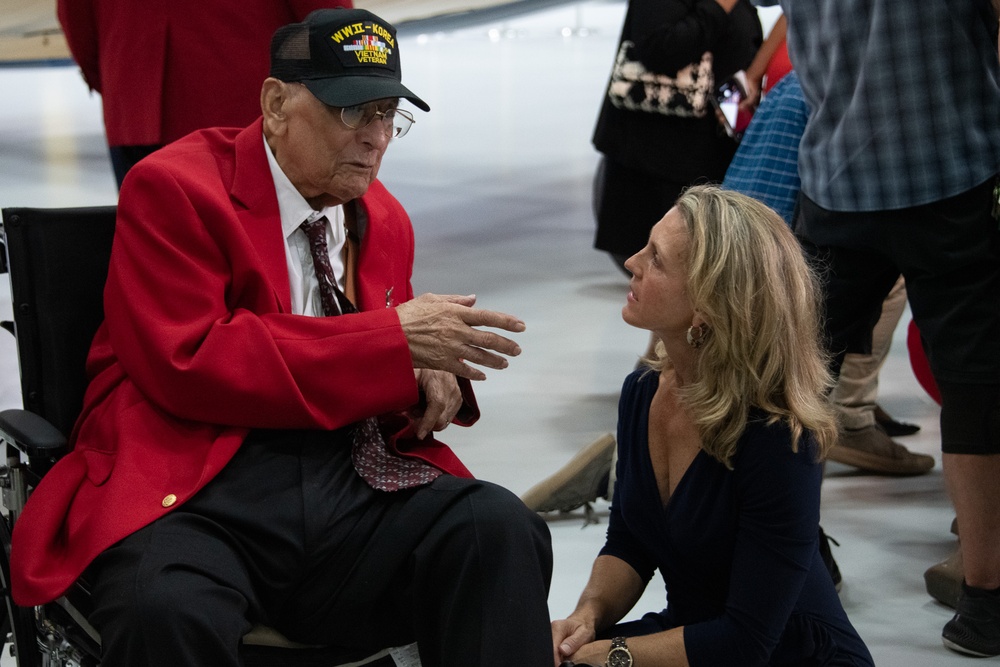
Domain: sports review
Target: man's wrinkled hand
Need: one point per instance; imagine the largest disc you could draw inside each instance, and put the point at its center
(442, 334)
(442, 401)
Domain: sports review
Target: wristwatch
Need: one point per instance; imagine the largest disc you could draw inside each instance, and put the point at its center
(619, 655)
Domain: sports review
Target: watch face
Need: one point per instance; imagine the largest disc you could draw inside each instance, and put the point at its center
(619, 657)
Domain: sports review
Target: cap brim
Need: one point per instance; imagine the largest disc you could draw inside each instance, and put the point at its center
(348, 91)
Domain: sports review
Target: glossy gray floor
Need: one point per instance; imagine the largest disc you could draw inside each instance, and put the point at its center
(497, 180)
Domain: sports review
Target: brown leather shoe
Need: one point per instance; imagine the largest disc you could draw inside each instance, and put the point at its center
(584, 479)
(871, 449)
(944, 580)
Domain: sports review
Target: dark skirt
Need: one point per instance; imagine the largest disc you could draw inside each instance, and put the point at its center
(627, 203)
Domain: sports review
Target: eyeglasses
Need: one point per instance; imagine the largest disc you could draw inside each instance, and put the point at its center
(395, 122)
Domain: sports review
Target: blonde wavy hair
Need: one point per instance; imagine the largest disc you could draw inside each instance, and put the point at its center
(749, 280)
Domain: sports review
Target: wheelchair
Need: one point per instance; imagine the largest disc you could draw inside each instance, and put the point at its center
(57, 260)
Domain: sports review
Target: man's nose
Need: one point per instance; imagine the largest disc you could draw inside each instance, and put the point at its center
(374, 134)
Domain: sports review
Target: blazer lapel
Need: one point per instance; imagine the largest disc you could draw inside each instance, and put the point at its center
(256, 206)
(372, 260)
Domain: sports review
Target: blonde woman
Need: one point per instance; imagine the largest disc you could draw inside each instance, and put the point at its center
(721, 440)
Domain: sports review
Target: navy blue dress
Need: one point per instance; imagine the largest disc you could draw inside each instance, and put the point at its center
(737, 549)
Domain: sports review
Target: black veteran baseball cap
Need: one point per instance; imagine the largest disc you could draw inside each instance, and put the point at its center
(343, 56)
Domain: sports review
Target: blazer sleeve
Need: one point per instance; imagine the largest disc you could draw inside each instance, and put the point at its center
(196, 324)
(78, 19)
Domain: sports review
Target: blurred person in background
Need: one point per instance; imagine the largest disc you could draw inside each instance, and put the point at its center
(165, 69)
(899, 164)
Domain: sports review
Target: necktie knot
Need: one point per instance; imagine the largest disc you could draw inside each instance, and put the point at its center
(314, 229)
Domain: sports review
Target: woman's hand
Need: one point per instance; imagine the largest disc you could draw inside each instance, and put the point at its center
(752, 98)
(613, 589)
(569, 636)
(594, 653)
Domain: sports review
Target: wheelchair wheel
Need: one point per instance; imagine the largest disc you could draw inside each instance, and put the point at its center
(18, 623)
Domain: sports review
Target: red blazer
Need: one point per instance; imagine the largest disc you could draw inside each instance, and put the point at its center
(165, 68)
(199, 346)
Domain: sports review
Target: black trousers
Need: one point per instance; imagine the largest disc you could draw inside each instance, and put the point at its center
(290, 536)
(124, 158)
(949, 253)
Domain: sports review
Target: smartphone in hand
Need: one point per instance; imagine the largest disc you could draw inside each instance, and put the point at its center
(727, 100)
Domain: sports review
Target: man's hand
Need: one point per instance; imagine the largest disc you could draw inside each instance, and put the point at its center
(442, 401)
(440, 331)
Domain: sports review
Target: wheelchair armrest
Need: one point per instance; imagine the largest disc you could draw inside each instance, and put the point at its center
(31, 434)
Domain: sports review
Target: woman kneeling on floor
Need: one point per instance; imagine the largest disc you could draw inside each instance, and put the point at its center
(721, 440)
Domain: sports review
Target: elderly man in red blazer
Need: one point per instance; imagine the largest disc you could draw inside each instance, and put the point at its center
(167, 68)
(222, 470)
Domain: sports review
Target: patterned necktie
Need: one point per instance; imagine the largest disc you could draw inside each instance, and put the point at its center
(382, 469)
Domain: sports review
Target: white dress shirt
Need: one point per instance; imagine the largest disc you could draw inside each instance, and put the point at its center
(294, 210)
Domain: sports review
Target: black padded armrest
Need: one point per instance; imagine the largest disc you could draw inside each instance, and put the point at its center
(31, 434)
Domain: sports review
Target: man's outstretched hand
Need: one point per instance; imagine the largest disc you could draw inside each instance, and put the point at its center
(442, 335)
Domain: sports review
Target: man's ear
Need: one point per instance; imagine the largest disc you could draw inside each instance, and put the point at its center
(274, 95)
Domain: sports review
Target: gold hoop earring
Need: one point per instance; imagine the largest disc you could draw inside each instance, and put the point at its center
(696, 335)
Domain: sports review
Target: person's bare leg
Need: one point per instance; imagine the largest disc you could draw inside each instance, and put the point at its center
(974, 484)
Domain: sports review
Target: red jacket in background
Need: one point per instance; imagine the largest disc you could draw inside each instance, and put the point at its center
(165, 68)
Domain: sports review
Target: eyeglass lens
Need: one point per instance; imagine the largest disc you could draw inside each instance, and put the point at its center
(396, 122)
